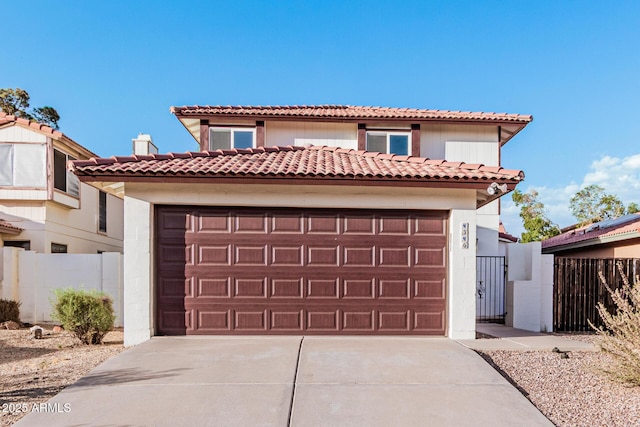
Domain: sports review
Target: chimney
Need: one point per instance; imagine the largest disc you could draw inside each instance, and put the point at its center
(143, 145)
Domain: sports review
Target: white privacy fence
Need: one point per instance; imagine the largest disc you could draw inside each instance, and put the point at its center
(31, 277)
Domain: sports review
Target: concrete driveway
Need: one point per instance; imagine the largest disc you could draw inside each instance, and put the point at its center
(281, 381)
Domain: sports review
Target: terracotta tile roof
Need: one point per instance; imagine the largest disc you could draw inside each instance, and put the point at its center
(292, 162)
(593, 234)
(347, 112)
(6, 118)
(5, 227)
(502, 233)
(39, 127)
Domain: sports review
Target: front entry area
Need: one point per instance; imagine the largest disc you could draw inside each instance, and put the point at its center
(299, 271)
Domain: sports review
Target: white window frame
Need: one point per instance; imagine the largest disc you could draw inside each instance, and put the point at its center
(388, 134)
(233, 130)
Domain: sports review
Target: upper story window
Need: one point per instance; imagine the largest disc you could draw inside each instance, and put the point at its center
(102, 211)
(389, 142)
(63, 179)
(23, 165)
(228, 138)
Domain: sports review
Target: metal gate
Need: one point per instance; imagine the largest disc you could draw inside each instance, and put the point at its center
(491, 279)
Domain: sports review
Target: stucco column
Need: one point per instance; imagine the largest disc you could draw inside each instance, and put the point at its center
(138, 273)
(462, 275)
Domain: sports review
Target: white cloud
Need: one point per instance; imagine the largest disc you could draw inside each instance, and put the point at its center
(619, 177)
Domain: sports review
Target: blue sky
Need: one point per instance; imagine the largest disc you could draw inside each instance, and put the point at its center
(113, 69)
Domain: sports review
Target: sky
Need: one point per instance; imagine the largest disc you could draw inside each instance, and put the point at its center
(112, 70)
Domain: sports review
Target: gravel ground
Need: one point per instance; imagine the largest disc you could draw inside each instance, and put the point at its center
(573, 391)
(570, 392)
(32, 371)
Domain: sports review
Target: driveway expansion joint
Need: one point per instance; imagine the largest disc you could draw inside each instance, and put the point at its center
(295, 380)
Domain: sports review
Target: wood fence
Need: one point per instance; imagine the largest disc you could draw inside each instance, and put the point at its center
(577, 289)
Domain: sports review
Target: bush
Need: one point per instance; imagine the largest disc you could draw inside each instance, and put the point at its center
(9, 310)
(87, 314)
(621, 337)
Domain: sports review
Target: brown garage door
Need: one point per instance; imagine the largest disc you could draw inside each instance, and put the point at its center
(299, 271)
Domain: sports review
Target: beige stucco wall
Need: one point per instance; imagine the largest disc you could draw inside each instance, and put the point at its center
(139, 227)
(621, 249)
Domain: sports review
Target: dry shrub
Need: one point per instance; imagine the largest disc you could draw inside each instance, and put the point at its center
(621, 335)
(9, 310)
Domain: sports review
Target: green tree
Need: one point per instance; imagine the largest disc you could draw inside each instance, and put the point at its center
(16, 102)
(534, 217)
(592, 204)
(633, 208)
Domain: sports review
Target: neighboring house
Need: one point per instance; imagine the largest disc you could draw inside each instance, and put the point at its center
(273, 229)
(7, 230)
(612, 238)
(504, 239)
(47, 209)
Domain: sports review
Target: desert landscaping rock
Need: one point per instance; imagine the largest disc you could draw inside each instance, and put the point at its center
(34, 370)
(570, 391)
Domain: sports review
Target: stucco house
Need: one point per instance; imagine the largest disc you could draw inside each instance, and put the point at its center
(44, 207)
(311, 220)
(612, 238)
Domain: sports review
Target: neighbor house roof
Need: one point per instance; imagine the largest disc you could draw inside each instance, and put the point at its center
(612, 230)
(7, 119)
(347, 112)
(6, 228)
(304, 164)
(502, 234)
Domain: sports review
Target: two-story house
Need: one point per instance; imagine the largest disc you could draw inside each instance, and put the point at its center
(45, 208)
(311, 220)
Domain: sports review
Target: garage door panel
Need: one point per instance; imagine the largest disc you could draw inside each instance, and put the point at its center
(214, 321)
(250, 320)
(289, 224)
(175, 287)
(213, 223)
(250, 288)
(430, 226)
(358, 288)
(430, 257)
(322, 224)
(287, 288)
(323, 320)
(394, 289)
(393, 225)
(429, 322)
(430, 289)
(323, 288)
(214, 254)
(287, 255)
(359, 256)
(393, 257)
(359, 225)
(319, 256)
(214, 288)
(287, 320)
(250, 255)
(177, 254)
(277, 271)
(250, 223)
(394, 321)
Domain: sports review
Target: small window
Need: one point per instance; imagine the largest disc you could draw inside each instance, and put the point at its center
(389, 142)
(63, 179)
(102, 211)
(228, 138)
(57, 248)
(24, 244)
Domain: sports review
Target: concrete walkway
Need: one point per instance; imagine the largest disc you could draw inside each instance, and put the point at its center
(282, 381)
(507, 338)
